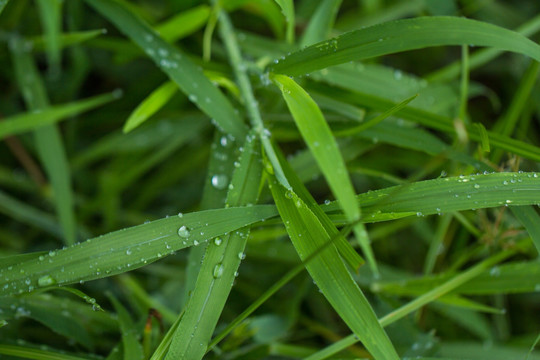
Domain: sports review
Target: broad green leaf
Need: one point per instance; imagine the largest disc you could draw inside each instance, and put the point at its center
(219, 264)
(318, 136)
(189, 77)
(21, 123)
(321, 23)
(149, 106)
(287, 8)
(330, 273)
(126, 249)
(403, 35)
(131, 346)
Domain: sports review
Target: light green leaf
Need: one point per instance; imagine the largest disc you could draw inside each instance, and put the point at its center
(318, 136)
(403, 35)
(287, 8)
(66, 39)
(131, 346)
(50, 12)
(149, 106)
(321, 23)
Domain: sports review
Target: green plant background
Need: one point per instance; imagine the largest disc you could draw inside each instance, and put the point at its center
(259, 179)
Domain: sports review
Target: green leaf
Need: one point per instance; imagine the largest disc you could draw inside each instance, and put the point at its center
(287, 8)
(38, 354)
(184, 23)
(50, 12)
(149, 106)
(189, 77)
(3, 4)
(131, 346)
(329, 272)
(21, 123)
(39, 43)
(321, 23)
(318, 136)
(403, 35)
(219, 266)
(126, 249)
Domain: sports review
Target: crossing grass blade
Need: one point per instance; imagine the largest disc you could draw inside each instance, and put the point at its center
(287, 8)
(184, 23)
(219, 265)
(38, 354)
(149, 106)
(329, 272)
(318, 136)
(126, 249)
(403, 35)
(189, 77)
(21, 123)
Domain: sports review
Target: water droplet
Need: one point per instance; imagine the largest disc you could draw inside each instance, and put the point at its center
(41, 257)
(180, 215)
(128, 252)
(495, 271)
(192, 98)
(183, 231)
(476, 186)
(218, 241)
(46, 280)
(241, 255)
(195, 242)
(218, 271)
(52, 253)
(505, 182)
(219, 181)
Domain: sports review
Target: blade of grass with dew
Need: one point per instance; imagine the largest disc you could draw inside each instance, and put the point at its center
(131, 346)
(150, 105)
(431, 294)
(321, 23)
(449, 194)
(349, 254)
(403, 35)
(48, 139)
(40, 43)
(29, 121)
(479, 351)
(287, 8)
(482, 56)
(163, 347)
(220, 166)
(329, 272)
(50, 12)
(126, 249)
(189, 78)
(220, 263)
(350, 111)
(318, 136)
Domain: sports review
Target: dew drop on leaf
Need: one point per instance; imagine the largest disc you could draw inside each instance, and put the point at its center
(183, 231)
(220, 181)
(46, 280)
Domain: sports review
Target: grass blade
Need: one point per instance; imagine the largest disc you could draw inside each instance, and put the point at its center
(287, 8)
(131, 346)
(321, 23)
(126, 249)
(189, 77)
(403, 35)
(318, 136)
(329, 272)
(149, 106)
(50, 12)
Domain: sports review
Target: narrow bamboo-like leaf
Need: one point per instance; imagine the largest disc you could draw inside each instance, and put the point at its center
(287, 8)
(149, 106)
(51, 16)
(126, 249)
(131, 346)
(319, 138)
(176, 65)
(220, 263)
(321, 23)
(403, 35)
(21, 123)
(329, 272)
